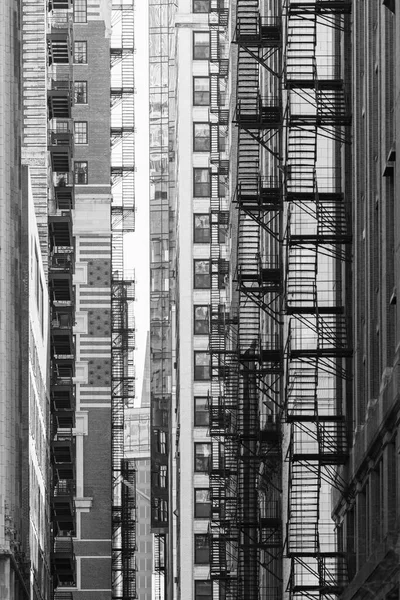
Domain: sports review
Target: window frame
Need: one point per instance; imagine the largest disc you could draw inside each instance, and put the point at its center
(195, 78)
(197, 595)
(207, 457)
(84, 91)
(199, 368)
(208, 149)
(207, 320)
(203, 2)
(86, 173)
(80, 8)
(196, 276)
(78, 134)
(194, 46)
(207, 514)
(203, 548)
(197, 412)
(77, 52)
(207, 239)
(201, 183)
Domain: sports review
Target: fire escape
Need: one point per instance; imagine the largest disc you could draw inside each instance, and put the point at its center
(62, 308)
(122, 297)
(317, 346)
(259, 276)
(223, 478)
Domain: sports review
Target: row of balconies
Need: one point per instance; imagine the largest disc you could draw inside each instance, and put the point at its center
(61, 267)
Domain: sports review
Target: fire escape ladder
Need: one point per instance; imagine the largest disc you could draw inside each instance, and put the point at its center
(122, 296)
(317, 346)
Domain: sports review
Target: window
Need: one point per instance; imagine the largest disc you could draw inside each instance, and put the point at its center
(202, 275)
(201, 45)
(201, 6)
(161, 441)
(223, 227)
(201, 549)
(201, 320)
(202, 457)
(201, 137)
(80, 173)
(201, 183)
(80, 53)
(201, 229)
(201, 413)
(201, 366)
(159, 478)
(203, 590)
(160, 509)
(80, 92)
(80, 132)
(80, 11)
(201, 91)
(202, 504)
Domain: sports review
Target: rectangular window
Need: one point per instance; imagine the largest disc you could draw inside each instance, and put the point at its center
(201, 366)
(202, 275)
(201, 229)
(201, 319)
(223, 272)
(202, 504)
(161, 441)
(223, 227)
(160, 509)
(201, 91)
(80, 53)
(201, 183)
(201, 549)
(80, 172)
(80, 132)
(201, 137)
(80, 92)
(159, 478)
(201, 412)
(201, 45)
(201, 6)
(202, 457)
(80, 11)
(203, 590)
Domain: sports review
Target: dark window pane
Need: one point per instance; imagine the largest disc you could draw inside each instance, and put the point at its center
(202, 590)
(202, 277)
(202, 229)
(201, 549)
(201, 320)
(202, 457)
(201, 6)
(201, 137)
(201, 91)
(201, 45)
(80, 92)
(80, 52)
(201, 366)
(201, 183)
(202, 504)
(201, 413)
(81, 172)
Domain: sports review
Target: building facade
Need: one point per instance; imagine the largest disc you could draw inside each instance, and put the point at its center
(367, 508)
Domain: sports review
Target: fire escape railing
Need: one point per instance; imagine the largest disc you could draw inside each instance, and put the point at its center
(61, 260)
(317, 347)
(122, 295)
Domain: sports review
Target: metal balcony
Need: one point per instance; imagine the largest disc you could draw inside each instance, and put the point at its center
(253, 30)
(62, 393)
(257, 112)
(59, 37)
(60, 147)
(64, 561)
(59, 93)
(63, 506)
(63, 190)
(63, 451)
